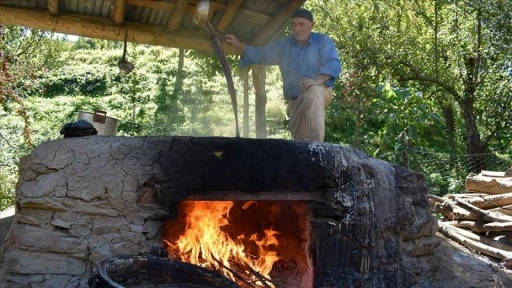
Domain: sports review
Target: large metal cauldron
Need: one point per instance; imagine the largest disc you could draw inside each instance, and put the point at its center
(105, 125)
(155, 272)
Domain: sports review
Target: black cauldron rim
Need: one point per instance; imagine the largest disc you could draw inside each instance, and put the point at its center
(139, 264)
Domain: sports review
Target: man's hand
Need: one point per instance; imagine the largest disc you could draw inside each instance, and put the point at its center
(305, 83)
(233, 41)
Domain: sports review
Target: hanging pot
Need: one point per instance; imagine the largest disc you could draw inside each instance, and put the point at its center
(105, 125)
(151, 271)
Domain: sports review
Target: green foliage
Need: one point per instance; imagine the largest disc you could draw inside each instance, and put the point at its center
(407, 67)
(400, 109)
(87, 79)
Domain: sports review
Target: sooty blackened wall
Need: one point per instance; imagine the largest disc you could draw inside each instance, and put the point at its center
(364, 211)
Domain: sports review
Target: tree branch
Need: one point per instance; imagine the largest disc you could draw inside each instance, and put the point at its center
(431, 80)
(7, 141)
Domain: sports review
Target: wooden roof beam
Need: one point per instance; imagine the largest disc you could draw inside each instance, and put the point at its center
(53, 7)
(274, 26)
(228, 15)
(102, 28)
(177, 15)
(118, 11)
(152, 4)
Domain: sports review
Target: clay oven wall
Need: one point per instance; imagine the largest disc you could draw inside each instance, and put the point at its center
(84, 200)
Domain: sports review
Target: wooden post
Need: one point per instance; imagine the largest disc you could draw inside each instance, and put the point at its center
(118, 11)
(53, 7)
(245, 77)
(259, 76)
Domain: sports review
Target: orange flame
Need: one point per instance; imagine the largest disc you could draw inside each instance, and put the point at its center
(206, 241)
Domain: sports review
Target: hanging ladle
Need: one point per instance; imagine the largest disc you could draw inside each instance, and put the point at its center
(124, 65)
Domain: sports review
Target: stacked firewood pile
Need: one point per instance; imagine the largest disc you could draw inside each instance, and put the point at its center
(481, 218)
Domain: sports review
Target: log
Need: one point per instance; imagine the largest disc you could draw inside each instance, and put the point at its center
(102, 28)
(483, 239)
(501, 236)
(491, 201)
(472, 225)
(506, 256)
(487, 184)
(487, 227)
(496, 174)
(436, 198)
(498, 226)
(453, 212)
(483, 215)
(506, 210)
(465, 195)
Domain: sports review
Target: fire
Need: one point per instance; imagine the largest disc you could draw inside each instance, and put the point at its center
(208, 239)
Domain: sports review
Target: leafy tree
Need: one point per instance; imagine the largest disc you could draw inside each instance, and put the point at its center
(453, 52)
(25, 53)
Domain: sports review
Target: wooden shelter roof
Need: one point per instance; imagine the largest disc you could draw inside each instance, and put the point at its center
(155, 22)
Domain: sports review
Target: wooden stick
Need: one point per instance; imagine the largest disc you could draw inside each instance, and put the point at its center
(233, 272)
(436, 198)
(258, 276)
(465, 195)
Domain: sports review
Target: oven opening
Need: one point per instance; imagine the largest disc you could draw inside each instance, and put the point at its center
(254, 243)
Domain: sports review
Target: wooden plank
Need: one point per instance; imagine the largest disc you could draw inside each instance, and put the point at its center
(229, 13)
(53, 7)
(102, 28)
(176, 17)
(118, 11)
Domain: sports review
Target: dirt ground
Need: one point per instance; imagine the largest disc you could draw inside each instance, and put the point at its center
(452, 265)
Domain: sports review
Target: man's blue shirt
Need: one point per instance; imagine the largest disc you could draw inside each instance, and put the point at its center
(319, 56)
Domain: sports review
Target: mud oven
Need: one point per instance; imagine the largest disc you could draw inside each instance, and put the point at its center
(307, 214)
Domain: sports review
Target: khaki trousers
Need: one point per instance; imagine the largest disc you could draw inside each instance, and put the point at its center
(307, 113)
